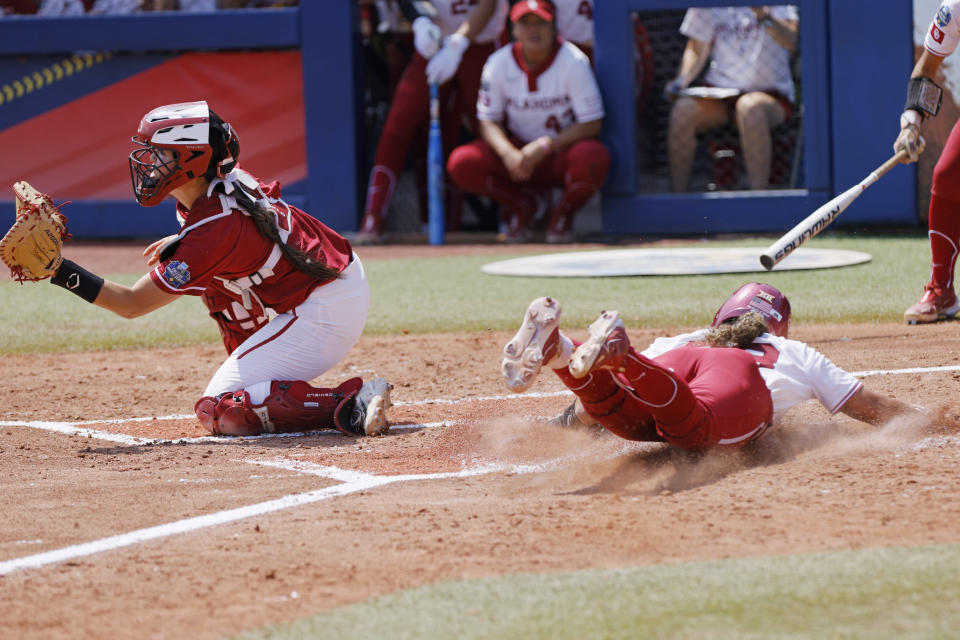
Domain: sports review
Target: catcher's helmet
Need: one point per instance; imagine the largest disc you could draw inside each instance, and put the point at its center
(177, 143)
(766, 300)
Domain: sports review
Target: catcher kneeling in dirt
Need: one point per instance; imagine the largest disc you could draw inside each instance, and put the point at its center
(724, 385)
(289, 294)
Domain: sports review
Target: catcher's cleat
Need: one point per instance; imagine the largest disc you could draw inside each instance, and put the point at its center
(934, 304)
(369, 415)
(604, 348)
(538, 342)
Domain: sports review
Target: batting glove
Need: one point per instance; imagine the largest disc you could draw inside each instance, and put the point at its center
(910, 138)
(444, 63)
(426, 36)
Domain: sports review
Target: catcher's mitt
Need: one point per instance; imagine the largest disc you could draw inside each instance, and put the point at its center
(31, 248)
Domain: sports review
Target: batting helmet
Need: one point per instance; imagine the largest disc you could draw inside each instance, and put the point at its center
(766, 300)
(177, 143)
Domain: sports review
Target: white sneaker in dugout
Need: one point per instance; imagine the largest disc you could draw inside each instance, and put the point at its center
(369, 414)
(538, 342)
(606, 343)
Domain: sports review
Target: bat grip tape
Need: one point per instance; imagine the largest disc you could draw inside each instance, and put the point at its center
(78, 280)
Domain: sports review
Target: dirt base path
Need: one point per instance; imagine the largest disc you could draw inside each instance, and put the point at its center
(558, 500)
(498, 491)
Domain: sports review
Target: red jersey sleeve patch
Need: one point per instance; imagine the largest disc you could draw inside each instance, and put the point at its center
(936, 34)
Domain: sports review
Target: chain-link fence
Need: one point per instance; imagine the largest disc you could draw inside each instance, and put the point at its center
(718, 98)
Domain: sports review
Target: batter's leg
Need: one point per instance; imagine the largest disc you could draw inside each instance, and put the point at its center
(939, 297)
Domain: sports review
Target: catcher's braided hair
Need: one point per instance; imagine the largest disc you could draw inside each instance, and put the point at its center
(267, 226)
(737, 332)
(226, 151)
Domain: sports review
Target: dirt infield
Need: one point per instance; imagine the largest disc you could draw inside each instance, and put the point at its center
(470, 483)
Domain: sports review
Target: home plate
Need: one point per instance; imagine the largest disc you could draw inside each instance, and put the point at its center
(667, 262)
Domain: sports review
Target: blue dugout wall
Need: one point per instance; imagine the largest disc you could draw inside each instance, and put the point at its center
(323, 31)
(854, 64)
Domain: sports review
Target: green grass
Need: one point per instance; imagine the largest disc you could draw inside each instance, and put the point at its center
(877, 291)
(451, 294)
(881, 593)
(36, 317)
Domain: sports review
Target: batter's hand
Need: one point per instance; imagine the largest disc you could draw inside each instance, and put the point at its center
(910, 138)
(443, 65)
(426, 36)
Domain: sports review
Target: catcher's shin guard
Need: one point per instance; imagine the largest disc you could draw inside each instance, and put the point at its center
(293, 405)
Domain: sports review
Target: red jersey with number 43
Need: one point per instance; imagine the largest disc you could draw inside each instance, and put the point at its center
(218, 241)
(542, 101)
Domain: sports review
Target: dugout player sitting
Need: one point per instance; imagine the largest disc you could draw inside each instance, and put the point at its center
(452, 39)
(720, 386)
(749, 50)
(539, 112)
(288, 293)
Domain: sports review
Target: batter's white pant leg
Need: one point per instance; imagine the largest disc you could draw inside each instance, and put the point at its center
(302, 344)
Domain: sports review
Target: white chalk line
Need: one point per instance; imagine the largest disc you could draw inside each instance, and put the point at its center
(78, 429)
(892, 372)
(351, 481)
(68, 428)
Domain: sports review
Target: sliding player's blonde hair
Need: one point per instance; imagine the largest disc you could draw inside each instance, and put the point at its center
(737, 332)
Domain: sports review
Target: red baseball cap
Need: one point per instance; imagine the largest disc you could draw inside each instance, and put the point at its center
(536, 7)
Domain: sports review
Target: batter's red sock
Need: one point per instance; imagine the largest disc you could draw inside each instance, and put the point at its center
(944, 240)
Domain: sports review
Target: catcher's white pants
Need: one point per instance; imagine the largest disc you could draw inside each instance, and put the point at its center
(301, 344)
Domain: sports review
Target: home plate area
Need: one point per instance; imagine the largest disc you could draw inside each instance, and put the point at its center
(666, 262)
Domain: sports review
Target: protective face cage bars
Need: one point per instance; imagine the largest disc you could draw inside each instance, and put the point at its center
(148, 172)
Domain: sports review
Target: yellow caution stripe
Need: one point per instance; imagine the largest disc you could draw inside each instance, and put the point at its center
(48, 75)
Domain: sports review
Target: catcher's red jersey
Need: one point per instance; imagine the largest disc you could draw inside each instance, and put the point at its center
(219, 242)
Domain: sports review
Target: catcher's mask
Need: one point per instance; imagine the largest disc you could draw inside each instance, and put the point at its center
(177, 143)
(768, 301)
